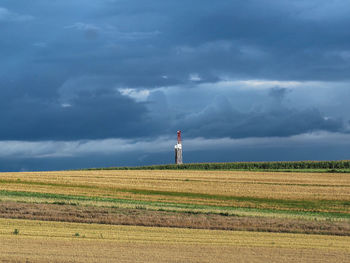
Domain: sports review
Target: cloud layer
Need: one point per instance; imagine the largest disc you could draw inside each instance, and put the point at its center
(140, 70)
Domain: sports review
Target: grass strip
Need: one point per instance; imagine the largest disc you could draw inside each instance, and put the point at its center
(311, 205)
(170, 205)
(157, 218)
(19, 181)
(256, 201)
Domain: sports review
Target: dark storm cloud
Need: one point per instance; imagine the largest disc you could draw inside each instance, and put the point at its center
(138, 42)
(86, 112)
(267, 39)
(278, 93)
(62, 63)
(221, 119)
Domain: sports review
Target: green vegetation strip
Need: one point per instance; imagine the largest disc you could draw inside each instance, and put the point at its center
(310, 205)
(168, 205)
(300, 166)
(19, 181)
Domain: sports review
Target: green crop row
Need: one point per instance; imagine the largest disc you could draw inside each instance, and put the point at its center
(317, 166)
(277, 206)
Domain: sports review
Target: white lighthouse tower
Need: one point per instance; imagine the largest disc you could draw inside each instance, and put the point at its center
(178, 149)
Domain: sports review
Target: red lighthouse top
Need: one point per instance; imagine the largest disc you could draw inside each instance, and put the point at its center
(179, 137)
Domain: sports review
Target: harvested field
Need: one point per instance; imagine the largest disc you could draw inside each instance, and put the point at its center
(174, 216)
(277, 191)
(140, 217)
(59, 242)
(257, 184)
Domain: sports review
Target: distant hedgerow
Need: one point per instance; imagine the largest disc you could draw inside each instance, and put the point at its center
(329, 166)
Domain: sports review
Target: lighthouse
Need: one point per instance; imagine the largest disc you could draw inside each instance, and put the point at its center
(178, 149)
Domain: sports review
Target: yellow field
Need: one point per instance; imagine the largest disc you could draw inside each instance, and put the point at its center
(39, 241)
(256, 184)
(322, 200)
(204, 188)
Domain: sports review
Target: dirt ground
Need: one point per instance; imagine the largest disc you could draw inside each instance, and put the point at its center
(141, 217)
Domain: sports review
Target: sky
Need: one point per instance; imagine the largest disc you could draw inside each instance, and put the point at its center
(89, 83)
